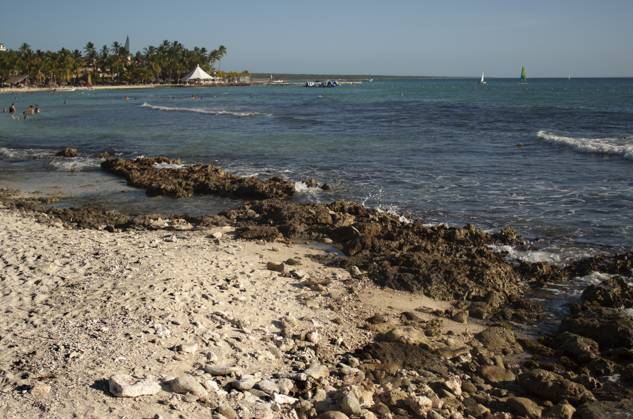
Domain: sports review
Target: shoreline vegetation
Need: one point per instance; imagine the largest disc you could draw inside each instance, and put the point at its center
(240, 314)
(113, 66)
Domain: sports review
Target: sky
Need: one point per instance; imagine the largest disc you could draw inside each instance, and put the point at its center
(398, 37)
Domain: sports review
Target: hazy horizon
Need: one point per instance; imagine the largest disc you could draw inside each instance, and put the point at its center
(434, 39)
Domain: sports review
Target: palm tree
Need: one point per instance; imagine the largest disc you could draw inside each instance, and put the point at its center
(91, 59)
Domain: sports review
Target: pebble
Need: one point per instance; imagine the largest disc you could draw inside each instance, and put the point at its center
(268, 386)
(122, 385)
(276, 267)
(285, 386)
(283, 399)
(219, 370)
(188, 348)
(349, 403)
(41, 390)
(317, 371)
(187, 384)
(333, 414)
(247, 382)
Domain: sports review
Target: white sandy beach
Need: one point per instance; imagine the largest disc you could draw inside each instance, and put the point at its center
(81, 305)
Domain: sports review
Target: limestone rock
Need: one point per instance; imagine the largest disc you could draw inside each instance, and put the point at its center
(522, 406)
(122, 385)
(333, 414)
(499, 340)
(349, 403)
(247, 382)
(317, 371)
(219, 370)
(495, 374)
(562, 410)
(187, 384)
(551, 386)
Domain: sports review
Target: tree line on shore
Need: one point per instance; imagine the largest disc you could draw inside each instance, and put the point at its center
(166, 63)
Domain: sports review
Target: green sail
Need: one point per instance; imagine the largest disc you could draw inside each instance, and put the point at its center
(523, 74)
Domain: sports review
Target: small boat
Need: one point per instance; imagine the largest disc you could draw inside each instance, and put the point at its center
(523, 79)
(327, 83)
(569, 77)
(482, 81)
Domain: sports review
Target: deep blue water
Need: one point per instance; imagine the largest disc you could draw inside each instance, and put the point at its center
(553, 158)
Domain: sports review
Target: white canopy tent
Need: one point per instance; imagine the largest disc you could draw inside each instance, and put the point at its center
(199, 75)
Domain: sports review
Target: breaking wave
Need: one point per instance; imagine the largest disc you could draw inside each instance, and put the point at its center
(25, 153)
(622, 147)
(206, 111)
(75, 164)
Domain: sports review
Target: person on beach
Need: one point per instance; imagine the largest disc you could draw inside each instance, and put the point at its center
(12, 109)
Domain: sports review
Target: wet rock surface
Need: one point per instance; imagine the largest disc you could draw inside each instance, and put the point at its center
(164, 176)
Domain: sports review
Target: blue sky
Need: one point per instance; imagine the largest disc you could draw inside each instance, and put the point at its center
(405, 37)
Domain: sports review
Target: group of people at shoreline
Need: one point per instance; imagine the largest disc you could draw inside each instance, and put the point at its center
(29, 111)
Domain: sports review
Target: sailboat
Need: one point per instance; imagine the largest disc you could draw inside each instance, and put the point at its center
(569, 77)
(523, 75)
(483, 81)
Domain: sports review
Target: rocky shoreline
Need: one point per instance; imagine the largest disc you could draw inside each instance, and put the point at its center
(408, 364)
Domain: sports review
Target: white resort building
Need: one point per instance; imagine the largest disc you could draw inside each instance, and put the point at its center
(2, 47)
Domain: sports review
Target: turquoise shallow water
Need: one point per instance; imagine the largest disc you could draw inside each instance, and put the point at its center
(553, 158)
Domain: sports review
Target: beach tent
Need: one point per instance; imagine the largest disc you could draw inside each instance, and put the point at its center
(17, 80)
(198, 75)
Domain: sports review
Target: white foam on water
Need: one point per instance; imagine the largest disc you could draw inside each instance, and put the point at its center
(622, 147)
(75, 164)
(396, 212)
(25, 153)
(169, 166)
(532, 256)
(206, 111)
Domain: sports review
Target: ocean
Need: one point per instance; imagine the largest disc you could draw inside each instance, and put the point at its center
(552, 158)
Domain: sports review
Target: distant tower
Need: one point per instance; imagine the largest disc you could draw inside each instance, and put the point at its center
(127, 44)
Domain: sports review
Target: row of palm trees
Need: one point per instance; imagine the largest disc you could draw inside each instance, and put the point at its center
(166, 63)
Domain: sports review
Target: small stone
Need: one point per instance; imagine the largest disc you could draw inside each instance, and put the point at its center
(333, 414)
(187, 384)
(355, 272)
(188, 348)
(276, 267)
(419, 404)
(122, 385)
(562, 410)
(227, 411)
(522, 406)
(299, 274)
(454, 385)
(219, 370)
(217, 235)
(317, 371)
(495, 374)
(283, 399)
(162, 331)
(460, 316)
(313, 337)
(268, 386)
(285, 385)
(350, 404)
(41, 390)
(247, 382)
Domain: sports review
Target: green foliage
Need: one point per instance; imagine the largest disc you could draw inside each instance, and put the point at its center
(166, 63)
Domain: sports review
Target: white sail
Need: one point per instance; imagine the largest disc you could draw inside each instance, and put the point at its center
(483, 81)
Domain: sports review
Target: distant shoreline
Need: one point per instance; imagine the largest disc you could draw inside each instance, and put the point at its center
(73, 89)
